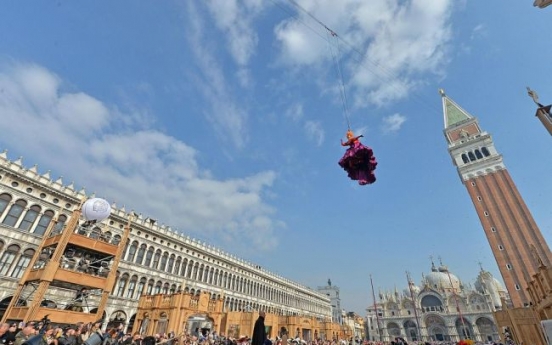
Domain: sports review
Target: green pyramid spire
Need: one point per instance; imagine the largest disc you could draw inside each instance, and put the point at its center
(453, 112)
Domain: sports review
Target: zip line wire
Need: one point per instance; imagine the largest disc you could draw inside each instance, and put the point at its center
(337, 64)
(380, 71)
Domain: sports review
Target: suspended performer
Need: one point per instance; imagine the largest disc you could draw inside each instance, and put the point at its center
(358, 161)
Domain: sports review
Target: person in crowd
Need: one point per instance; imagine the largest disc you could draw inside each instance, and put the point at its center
(126, 339)
(25, 333)
(110, 338)
(136, 339)
(3, 333)
(10, 334)
(68, 337)
(149, 340)
(259, 331)
(48, 335)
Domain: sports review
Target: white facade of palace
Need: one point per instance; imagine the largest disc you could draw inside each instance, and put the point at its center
(156, 259)
(444, 309)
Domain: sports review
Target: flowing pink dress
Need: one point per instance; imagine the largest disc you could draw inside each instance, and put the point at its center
(359, 162)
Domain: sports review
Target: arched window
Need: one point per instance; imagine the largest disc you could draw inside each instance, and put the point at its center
(141, 287)
(478, 154)
(184, 267)
(164, 261)
(15, 212)
(196, 271)
(149, 289)
(149, 256)
(217, 278)
(116, 240)
(7, 258)
(465, 158)
(156, 258)
(485, 151)
(141, 253)
(166, 288)
(472, 156)
(4, 201)
(122, 285)
(157, 288)
(170, 265)
(29, 218)
(106, 236)
(22, 263)
(132, 251)
(43, 223)
(131, 287)
(61, 219)
(172, 289)
(177, 266)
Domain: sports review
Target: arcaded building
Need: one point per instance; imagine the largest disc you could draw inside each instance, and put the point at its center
(157, 260)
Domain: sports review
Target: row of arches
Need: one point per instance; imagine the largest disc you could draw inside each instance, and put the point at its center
(33, 218)
(483, 329)
(14, 260)
(171, 263)
(432, 303)
(116, 318)
(18, 214)
(132, 287)
(476, 154)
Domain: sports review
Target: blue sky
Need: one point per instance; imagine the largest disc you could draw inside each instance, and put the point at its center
(222, 119)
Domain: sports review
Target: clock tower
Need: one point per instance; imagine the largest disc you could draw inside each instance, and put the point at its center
(512, 233)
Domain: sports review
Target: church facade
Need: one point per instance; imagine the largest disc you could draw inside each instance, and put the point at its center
(442, 308)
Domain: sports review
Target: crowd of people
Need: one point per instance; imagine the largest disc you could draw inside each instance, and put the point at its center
(46, 333)
(49, 334)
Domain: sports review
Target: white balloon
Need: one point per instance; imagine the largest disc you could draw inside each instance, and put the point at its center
(96, 209)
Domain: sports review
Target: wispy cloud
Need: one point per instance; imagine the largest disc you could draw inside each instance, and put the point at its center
(478, 31)
(389, 41)
(234, 18)
(315, 132)
(148, 170)
(295, 112)
(393, 123)
(225, 112)
(235, 21)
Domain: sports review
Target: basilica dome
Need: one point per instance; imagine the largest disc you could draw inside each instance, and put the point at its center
(441, 278)
(415, 290)
(487, 284)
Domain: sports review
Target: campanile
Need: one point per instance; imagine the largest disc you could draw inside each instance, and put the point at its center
(512, 233)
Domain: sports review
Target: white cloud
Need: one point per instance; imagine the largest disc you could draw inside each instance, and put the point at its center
(315, 132)
(145, 169)
(393, 123)
(478, 31)
(226, 114)
(299, 45)
(295, 112)
(234, 18)
(395, 41)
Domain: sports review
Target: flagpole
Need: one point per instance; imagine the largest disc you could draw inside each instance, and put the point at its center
(375, 307)
(457, 306)
(415, 306)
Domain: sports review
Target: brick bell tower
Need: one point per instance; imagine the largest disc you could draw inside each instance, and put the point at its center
(512, 233)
